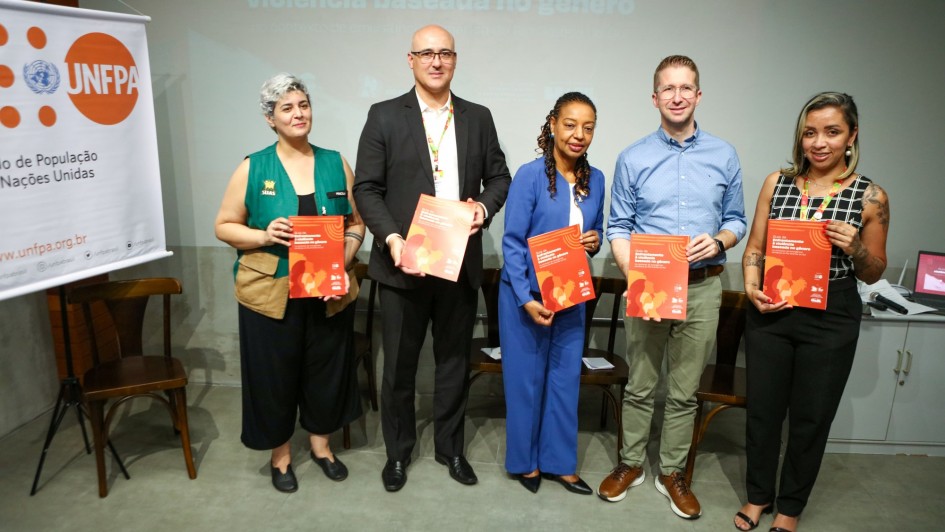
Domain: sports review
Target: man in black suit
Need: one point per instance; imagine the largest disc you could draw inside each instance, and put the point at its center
(427, 141)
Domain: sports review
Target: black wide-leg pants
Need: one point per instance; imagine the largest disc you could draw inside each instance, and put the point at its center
(798, 362)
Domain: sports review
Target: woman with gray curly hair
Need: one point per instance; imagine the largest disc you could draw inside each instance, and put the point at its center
(295, 354)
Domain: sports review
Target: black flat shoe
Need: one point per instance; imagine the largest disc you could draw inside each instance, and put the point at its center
(578, 486)
(751, 524)
(284, 482)
(333, 470)
(531, 483)
(394, 474)
(459, 468)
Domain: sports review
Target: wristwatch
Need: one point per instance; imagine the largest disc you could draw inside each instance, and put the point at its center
(720, 244)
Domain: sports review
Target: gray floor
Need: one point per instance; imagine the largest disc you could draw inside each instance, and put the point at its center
(232, 490)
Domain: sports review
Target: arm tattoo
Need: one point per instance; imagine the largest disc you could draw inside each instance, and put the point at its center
(874, 195)
(864, 263)
(755, 259)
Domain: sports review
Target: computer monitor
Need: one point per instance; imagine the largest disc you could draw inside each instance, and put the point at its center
(930, 278)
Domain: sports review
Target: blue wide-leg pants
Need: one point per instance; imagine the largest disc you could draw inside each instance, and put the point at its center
(541, 370)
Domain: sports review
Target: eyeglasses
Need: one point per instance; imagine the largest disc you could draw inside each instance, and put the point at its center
(447, 57)
(669, 92)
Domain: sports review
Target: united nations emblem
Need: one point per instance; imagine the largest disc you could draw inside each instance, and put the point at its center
(269, 188)
(42, 77)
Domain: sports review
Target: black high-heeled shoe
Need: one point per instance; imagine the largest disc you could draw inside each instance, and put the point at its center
(751, 524)
(531, 483)
(578, 486)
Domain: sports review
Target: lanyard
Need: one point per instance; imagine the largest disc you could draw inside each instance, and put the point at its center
(823, 206)
(435, 149)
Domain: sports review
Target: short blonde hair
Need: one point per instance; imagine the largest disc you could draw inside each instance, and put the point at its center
(674, 61)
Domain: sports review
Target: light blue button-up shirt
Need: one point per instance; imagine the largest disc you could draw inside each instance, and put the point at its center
(663, 187)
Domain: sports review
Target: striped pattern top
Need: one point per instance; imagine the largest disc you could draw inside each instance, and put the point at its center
(846, 206)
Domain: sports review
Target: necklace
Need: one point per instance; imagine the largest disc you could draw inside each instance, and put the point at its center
(805, 199)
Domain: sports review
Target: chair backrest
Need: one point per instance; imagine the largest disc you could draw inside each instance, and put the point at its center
(361, 274)
(605, 285)
(490, 293)
(126, 302)
(732, 313)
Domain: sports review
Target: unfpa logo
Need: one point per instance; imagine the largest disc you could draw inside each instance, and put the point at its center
(102, 78)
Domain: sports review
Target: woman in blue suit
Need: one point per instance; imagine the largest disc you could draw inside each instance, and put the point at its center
(541, 349)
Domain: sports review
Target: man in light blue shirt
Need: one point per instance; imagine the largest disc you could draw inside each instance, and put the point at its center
(678, 180)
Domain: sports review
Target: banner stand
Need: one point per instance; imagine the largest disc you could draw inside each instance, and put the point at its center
(70, 395)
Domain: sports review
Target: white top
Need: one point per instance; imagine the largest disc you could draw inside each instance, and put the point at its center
(434, 120)
(576, 216)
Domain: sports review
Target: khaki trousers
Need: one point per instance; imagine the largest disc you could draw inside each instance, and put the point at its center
(686, 346)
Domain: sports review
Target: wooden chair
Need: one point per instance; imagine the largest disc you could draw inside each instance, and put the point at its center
(605, 380)
(132, 373)
(364, 344)
(723, 382)
(616, 377)
(479, 362)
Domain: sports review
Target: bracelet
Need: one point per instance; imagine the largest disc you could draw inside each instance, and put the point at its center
(354, 235)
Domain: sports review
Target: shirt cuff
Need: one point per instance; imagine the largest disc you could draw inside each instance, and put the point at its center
(392, 235)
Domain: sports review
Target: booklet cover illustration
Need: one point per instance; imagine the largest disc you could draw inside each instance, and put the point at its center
(658, 276)
(797, 263)
(564, 276)
(439, 232)
(317, 257)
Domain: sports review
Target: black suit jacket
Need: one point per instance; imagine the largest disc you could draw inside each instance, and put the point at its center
(394, 168)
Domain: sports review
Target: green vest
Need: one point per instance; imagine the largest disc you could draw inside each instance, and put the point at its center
(270, 194)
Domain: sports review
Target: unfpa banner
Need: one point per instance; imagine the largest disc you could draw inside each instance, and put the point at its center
(80, 190)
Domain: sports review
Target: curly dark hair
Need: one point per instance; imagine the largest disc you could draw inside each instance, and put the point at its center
(546, 147)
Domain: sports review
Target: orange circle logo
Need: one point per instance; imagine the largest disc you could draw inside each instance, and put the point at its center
(9, 117)
(103, 78)
(36, 37)
(6, 76)
(47, 116)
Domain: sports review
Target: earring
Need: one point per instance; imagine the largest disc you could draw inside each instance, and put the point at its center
(849, 152)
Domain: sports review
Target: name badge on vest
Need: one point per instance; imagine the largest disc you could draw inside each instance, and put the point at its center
(338, 194)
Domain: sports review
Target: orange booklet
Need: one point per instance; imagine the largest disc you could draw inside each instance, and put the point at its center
(439, 232)
(564, 276)
(317, 256)
(658, 277)
(797, 263)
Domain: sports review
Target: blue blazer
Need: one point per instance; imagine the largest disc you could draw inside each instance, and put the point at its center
(530, 210)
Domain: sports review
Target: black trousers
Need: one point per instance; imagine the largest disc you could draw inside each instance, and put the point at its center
(451, 308)
(798, 364)
(302, 363)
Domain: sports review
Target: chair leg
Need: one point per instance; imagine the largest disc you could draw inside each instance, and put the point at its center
(371, 379)
(346, 436)
(694, 445)
(172, 400)
(96, 416)
(603, 412)
(182, 426)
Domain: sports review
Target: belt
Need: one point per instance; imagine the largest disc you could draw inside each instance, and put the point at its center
(701, 274)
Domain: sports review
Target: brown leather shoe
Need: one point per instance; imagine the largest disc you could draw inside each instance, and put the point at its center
(681, 500)
(623, 477)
